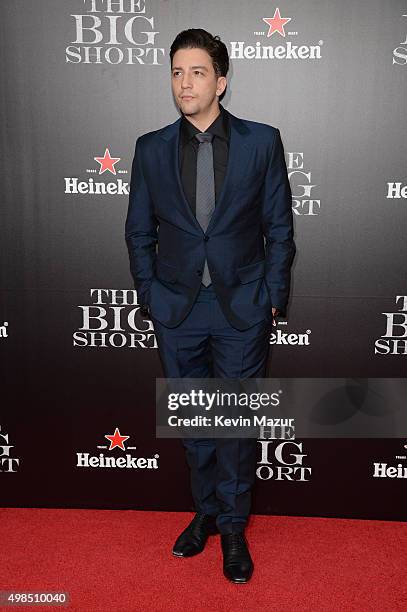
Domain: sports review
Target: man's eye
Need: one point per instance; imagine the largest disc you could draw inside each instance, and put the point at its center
(198, 72)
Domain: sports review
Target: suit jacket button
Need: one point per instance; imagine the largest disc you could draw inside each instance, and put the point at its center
(199, 272)
(206, 238)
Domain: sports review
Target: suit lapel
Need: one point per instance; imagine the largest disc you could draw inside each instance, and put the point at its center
(238, 160)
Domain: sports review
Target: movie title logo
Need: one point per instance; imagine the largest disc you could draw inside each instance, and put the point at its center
(7, 462)
(281, 458)
(113, 320)
(282, 461)
(114, 32)
(304, 202)
(400, 52)
(394, 339)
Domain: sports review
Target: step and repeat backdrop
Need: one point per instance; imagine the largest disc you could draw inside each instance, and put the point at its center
(81, 80)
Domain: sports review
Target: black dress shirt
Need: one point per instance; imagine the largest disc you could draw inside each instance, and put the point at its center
(188, 151)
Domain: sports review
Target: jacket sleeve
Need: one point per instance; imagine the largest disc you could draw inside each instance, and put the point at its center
(141, 229)
(277, 225)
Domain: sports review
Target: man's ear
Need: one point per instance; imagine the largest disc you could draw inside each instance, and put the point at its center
(221, 85)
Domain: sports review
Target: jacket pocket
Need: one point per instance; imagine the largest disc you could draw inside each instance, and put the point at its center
(166, 272)
(251, 272)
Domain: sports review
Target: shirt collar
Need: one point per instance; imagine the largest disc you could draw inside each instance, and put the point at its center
(220, 127)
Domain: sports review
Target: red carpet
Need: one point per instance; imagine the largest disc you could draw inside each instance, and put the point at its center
(121, 561)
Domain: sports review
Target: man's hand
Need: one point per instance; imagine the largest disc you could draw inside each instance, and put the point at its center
(275, 312)
(145, 311)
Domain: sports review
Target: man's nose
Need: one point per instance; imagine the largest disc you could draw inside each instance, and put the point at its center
(186, 81)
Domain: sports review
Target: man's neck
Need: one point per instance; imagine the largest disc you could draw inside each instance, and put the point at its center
(202, 122)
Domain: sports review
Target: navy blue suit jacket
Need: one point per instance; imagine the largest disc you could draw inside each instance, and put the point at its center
(248, 243)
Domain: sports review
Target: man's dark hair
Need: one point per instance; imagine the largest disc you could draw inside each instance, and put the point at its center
(196, 38)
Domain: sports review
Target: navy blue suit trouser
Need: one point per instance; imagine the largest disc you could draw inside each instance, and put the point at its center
(205, 345)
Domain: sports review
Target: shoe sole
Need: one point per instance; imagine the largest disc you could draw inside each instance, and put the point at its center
(238, 581)
(186, 556)
(211, 532)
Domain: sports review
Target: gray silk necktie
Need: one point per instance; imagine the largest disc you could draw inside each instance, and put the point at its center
(205, 188)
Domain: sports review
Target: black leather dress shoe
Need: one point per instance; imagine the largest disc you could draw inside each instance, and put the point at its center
(193, 539)
(237, 562)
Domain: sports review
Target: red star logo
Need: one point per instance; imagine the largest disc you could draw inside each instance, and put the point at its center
(107, 163)
(117, 440)
(276, 23)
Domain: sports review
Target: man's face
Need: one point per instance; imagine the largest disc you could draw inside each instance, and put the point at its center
(195, 85)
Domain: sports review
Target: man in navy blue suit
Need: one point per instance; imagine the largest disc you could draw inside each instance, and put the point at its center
(209, 231)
